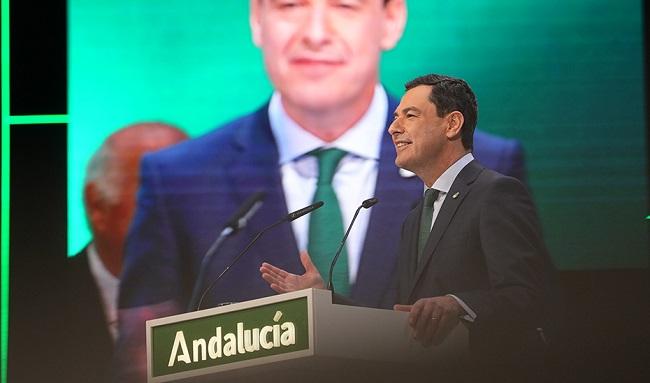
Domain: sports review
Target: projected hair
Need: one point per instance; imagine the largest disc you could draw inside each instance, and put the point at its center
(101, 172)
(105, 167)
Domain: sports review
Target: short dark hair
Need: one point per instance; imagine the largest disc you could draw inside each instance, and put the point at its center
(449, 94)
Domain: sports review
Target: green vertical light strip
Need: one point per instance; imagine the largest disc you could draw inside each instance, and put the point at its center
(4, 214)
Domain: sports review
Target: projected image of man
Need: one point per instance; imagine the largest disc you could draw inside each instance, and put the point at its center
(322, 131)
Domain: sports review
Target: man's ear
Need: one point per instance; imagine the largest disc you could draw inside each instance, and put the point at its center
(95, 207)
(255, 23)
(395, 15)
(455, 121)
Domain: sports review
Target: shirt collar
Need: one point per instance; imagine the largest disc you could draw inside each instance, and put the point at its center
(108, 288)
(446, 179)
(98, 269)
(362, 139)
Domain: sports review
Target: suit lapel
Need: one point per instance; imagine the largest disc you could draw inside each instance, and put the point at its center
(413, 233)
(408, 252)
(257, 169)
(459, 190)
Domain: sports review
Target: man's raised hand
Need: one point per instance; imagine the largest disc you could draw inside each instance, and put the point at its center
(282, 281)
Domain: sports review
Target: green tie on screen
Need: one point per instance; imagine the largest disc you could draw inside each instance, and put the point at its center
(430, 196)
(326, 223)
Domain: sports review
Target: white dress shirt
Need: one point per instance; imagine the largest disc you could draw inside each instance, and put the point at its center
(107, 284)
(356, 174)
(443, 185)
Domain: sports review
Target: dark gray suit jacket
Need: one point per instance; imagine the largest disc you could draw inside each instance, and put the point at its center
(486, 248)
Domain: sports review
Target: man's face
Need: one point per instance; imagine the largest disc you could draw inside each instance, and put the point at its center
(110, 217)
(119, 213)
(418, 133)
(323, 53)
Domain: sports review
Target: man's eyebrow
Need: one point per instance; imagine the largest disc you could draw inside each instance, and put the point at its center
(406, 110)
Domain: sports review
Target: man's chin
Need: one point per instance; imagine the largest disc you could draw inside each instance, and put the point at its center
(403, 163)
(314, 101)
(324, 94)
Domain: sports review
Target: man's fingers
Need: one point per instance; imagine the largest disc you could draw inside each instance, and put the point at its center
(415, 312)
(424, 321)
(270, 278)
(448, 323)
(279, 285)
(272, 269)
(405, 308)
(282, 281)
(305, 259)
(433, 326)
(277, 288)
(431, 319)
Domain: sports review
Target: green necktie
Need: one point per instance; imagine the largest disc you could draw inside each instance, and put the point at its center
(430, 196)
(326, 223)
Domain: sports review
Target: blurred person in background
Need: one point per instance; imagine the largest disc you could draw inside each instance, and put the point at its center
(93, 274)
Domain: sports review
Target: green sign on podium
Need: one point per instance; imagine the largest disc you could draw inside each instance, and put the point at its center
(299, 335)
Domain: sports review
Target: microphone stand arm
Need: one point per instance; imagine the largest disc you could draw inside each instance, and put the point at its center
(206, 260)
(198, 306)
(330, 286)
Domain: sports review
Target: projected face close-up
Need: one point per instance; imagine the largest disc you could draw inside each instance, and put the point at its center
(316, 45)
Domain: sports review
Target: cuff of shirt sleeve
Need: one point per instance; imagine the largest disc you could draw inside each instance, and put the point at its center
(470, 315)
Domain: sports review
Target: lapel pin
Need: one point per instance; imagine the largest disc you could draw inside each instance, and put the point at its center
(455, 195)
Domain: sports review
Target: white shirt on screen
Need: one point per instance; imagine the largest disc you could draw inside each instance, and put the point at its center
(355, 178)
(107, 284)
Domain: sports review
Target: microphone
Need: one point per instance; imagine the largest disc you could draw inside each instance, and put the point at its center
(288, 218)
(365, 204)
(239, 220)
(236, 222)
(305, 210)
(369, 202)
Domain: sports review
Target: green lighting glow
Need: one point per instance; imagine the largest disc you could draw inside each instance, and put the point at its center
(4, 215)
(39, 119)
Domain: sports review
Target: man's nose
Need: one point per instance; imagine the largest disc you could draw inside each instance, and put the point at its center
(316, 28)
(395, 127)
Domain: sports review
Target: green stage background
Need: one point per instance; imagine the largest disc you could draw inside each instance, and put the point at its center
(565, 77)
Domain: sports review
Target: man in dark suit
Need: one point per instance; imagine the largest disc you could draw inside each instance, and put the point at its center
(322, 59)
(93, 274)
(472, 248)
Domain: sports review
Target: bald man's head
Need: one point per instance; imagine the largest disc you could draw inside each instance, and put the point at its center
(116, 161)
(112, 182)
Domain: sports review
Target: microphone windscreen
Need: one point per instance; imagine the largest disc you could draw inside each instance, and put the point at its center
(369, 202)
(305, 210)
(245, 207)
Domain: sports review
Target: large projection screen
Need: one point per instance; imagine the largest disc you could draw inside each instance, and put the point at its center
(564, 77)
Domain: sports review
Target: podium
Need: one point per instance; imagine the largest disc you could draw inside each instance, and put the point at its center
(298, 335)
